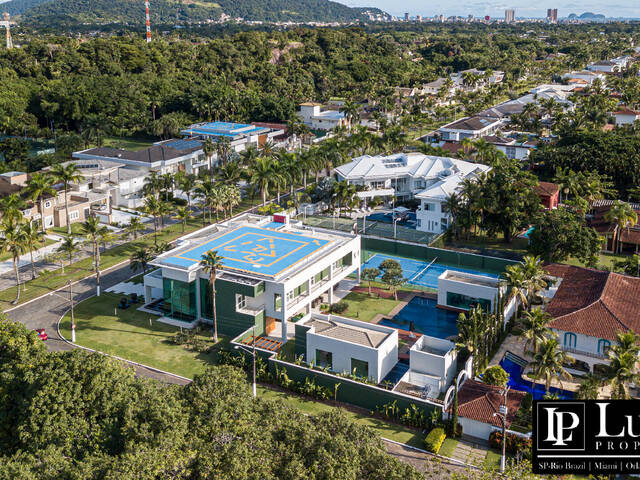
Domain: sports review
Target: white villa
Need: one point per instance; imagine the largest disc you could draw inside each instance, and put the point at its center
(314, 116)
(470, 127)
(412, 175)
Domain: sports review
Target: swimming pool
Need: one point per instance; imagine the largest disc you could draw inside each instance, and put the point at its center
(408, 219)
(427, 318)
(518, 383)
(424, 274)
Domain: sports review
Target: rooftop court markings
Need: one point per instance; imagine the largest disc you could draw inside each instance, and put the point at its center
(253, 250)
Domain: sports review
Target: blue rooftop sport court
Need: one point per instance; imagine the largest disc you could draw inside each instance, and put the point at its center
(424, 274)
(253, 250)
(223, 129)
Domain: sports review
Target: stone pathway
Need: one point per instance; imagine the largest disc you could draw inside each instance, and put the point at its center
(470, 452)
(127, 288)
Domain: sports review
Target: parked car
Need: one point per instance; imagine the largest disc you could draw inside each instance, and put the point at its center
(42, 334)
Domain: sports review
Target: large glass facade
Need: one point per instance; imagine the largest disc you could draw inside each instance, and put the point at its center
(179, 299)
(464, 302)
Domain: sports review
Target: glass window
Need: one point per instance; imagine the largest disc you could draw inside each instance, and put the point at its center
(570, 340)
(464, 302)
(324, 358)
(430, 207)
(47, 204)
(179, 299)
(73, 215)
(603, 346)
(277, 302)
(360, 368)
(241, 302)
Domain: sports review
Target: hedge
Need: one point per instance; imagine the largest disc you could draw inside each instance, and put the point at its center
(515, 443)
(434, 439)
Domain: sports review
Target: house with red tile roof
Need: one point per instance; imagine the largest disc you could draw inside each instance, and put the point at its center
(589, 307)
(477, 403)
(629, 237)
(549, 194)
(626, 116)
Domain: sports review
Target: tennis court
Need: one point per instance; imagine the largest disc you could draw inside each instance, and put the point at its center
(421, 273)
(253, 250)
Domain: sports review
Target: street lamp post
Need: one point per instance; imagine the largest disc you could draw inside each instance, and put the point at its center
(503, 417)
(253, 354)
(73, 321)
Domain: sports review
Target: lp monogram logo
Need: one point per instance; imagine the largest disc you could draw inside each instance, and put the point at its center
(557, 426)
(560, 425)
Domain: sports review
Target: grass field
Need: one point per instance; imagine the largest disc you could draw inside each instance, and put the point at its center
(128, 334)
(364, 307)
(128, 143)
(7, 256)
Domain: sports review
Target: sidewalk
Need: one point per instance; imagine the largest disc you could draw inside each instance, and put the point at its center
(25, 260)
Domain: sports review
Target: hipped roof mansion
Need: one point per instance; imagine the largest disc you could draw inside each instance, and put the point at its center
(272, 270)
(426, 178)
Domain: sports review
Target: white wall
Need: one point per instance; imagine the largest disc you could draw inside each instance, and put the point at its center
(475, 428)
(443, 366)
(431, 220)
(446, 285)
(381, 359)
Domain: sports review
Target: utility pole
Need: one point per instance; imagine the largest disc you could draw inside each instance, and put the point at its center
(6, 25)
(73, 321)
(503, 416)
(148, 21)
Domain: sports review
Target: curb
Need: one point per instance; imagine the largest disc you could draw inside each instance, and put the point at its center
(75, 345)
(453, 460)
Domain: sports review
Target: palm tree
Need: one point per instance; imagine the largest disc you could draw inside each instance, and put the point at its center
(534, 274)
(622, 371)
(11, 207)
(95, 233)
(68, 247)
(205, 191)
(223, 149)
(232, 197)
(134, 228)
(12, 240)
(187, 183)
(471, 328)
(153, 184)
(549, 362)
(211, 262)
(535, 328)
(208, 148)
(32, 236)
(517, 283)
(231, 173)
(38, 187)
(183, 214)
(623, 216)
(66, 174)
(140, 258)
(153, 207)
(263, 176)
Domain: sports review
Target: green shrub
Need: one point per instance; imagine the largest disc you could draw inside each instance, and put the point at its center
(434, 439)
(514, 445)
(339, 307)
(495, 376)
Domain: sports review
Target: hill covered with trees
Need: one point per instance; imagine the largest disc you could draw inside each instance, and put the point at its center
(130, 12)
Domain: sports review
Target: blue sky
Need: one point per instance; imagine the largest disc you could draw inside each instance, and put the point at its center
(495, 8)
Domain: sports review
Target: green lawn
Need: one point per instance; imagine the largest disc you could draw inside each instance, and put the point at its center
(76, 229)
(606, 260)
(365, 307)
(128, 334)
(492, 460)
(448, 447)
(128, 143)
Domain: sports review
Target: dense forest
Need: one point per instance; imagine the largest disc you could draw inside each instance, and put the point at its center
(123, 84)
(79, 415)
(69, 12)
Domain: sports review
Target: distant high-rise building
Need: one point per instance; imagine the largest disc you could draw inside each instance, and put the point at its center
(419, 18)
(509, 15)
(406, 17)
(552, 15)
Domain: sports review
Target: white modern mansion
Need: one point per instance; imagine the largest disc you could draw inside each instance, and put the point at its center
(272, 272)
(427, 178)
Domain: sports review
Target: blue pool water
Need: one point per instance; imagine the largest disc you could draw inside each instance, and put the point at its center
(427, 318)
(416, 271)
(518, 383)
(408, 220)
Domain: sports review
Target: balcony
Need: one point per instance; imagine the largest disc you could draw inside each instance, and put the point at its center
(600, 356)
(253, 312)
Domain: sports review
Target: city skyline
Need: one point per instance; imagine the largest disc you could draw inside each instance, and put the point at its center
(496, 9)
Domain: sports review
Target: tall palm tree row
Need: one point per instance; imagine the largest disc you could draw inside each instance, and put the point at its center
(13, 240)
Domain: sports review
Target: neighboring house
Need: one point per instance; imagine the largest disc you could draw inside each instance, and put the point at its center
(477, 404)
(509, 108)
(549, 194)
(170, 156)
(241, 135)
(435, 87)
(458, 79)
(583, 76)
(272, 273)
(628, 236)
(626, 116)
(82, 205)
(511, 147)
(427, 178)
(344, 345)
(604, 66)
(470, 127)
(589, 307)
(460, 291)
(315, 117)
